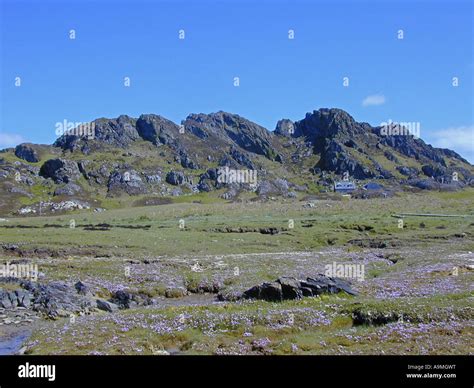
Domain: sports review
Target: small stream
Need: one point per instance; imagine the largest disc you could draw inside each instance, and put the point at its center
(13, 338)
(13, 342)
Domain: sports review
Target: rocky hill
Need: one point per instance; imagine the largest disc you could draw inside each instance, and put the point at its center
(149, 160)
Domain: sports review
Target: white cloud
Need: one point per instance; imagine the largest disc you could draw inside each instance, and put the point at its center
(374, 99)
(456, 137)
(459, 139)
(10, 140)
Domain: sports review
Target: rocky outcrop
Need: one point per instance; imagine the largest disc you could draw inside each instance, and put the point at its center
(226, 126)
(433, 184)
(335, 158)
(412, 147)
(106, 306)
(26, 152)
(328, 124)
(56, 299)
(292, 288)
(152, 155)
(434, 170)
(128, 182)
(208, 180)
(241, 158)
(345, 145)
(153, 178)
(122, 299)
(61, 299)
(119, 132)
(177, 178)
(408, 171)
(277, 186)
(157, 129)
(286, 127)
(17, 298)
(60, 170)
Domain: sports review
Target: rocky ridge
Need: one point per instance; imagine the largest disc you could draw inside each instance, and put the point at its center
(152, 156)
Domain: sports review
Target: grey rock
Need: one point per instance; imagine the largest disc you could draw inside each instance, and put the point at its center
(286, 127)
(186, 161)
(5, 301)
(266, 291)
(204, 185)
(434, 170)
(241, 158)
(425, 184)
(81, 288)
(273, 187)
(325, 284)
(106, 306)
(408, 171)
(153, 178)
(60, 170)
(26, 152)
(119, 132)
(122, 299)
(157, 129)
(177, 178)
(292, 288)
(231, 128)
(129, 182)
(69, 189)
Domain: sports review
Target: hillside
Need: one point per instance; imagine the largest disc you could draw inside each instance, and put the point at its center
(151, 160)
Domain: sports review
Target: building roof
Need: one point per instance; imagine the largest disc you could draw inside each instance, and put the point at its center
(344, 185)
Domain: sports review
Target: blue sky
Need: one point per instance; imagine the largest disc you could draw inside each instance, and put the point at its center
(78, 80)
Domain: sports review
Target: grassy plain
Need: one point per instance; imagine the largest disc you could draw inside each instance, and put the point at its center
(416, 298)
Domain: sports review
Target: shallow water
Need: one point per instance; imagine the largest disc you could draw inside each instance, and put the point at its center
(12, 344)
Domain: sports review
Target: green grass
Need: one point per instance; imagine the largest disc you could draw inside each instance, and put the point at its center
(433, 305)
(221, 328)
(331, 222)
